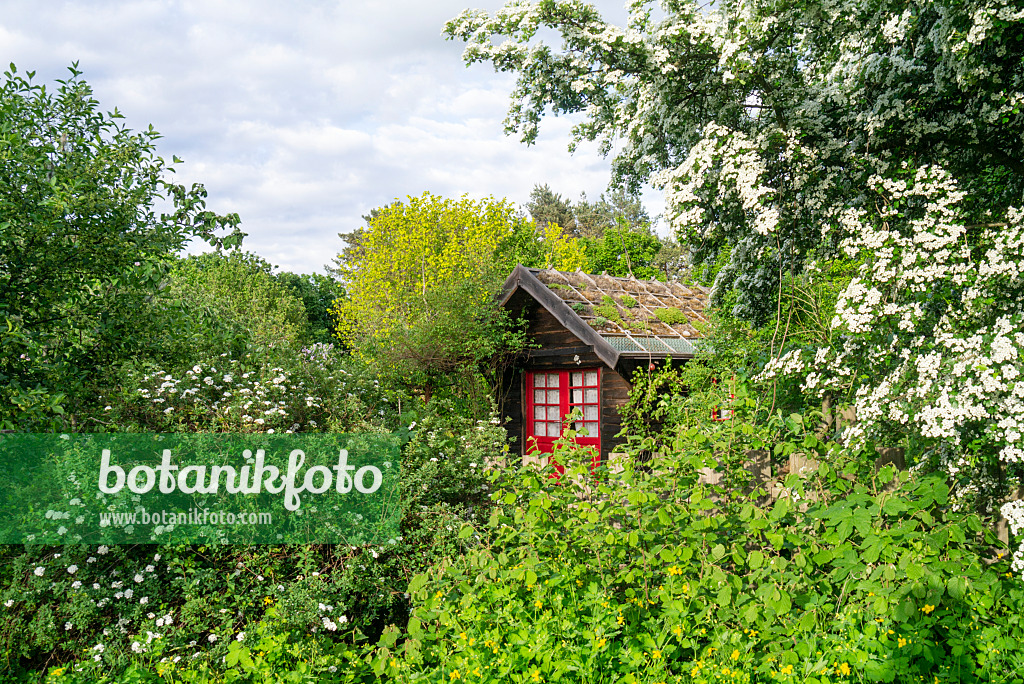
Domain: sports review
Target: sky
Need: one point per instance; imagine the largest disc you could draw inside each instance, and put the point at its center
(303, 116)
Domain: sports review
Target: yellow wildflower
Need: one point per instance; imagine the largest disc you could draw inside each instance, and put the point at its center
(455, 675)
(736, 654)
(536, 675)
(927, 609)
(843, 669)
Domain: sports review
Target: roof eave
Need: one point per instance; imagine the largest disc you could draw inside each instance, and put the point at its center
(521, 277)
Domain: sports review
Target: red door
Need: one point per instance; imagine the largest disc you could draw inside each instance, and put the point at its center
(553, 395)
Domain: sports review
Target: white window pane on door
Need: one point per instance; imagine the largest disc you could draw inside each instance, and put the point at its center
(554, 429)
(579, 428)
(539, 380)
(553, 412)
(539, 413)
(538, 396)
(590, 412)
(577, 379)
(552, 397)
(591, 396)
(592, 429)
(591, 377)
(552, 379)
(540, 429)
(577, 396)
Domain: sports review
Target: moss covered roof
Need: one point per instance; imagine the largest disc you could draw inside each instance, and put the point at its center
(627, 306)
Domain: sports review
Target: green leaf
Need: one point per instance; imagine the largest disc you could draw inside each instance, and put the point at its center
(466, 531)
(784, 604)
(417, 582)
(755, 559)
(878, 671)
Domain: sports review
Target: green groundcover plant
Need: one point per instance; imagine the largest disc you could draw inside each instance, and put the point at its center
(648, 575)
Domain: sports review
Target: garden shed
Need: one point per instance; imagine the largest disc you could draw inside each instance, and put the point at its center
(593, 332)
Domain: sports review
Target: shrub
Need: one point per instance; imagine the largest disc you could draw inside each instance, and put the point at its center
(671, 316)
(608, 309)
(648, 574)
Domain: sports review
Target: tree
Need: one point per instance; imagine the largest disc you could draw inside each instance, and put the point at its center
(234, 300)
(584, 218)
(762, 121)
(548, 207)
(619, 208)
(622, 252)
(82, 249)
(318, 294)
(421, 290)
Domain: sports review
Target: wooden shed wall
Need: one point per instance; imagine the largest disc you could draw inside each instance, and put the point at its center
(558, 350)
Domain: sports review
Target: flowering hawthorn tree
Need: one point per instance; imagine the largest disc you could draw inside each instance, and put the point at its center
(789, 134)
(760, 119)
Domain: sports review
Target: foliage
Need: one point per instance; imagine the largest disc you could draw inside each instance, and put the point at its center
(764, 122)
(623, 252)
(646, 574)
(316, 389)
(619, 209)
(560, 251)
(318, 294)
(420, 293)
(546, 207)
(138, 611)
(235, 299)
(672, 260)
(608, 309)
(82, 248)
(929, 338)
(671, 315)
(588, 219)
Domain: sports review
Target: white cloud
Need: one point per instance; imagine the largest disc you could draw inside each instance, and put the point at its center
(302, 116)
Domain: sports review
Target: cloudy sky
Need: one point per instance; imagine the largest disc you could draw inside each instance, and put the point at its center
(303, 116)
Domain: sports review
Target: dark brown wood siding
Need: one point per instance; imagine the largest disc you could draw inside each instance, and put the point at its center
(559, 350)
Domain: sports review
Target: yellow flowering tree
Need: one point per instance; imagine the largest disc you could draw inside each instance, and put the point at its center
(561, 251)
(421, 288)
